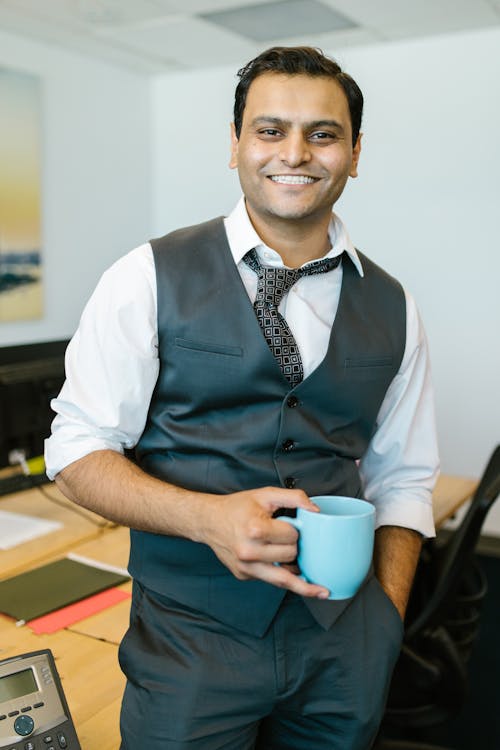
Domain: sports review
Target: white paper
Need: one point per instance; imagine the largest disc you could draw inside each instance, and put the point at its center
(97, 564)
(16, 528)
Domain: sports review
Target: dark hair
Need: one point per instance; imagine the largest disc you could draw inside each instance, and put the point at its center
(295, 61)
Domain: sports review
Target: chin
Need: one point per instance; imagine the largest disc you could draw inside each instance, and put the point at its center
(291, 213)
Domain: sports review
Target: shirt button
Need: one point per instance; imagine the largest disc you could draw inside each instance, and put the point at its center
(290, 483)
(288, 445)
(292, 401)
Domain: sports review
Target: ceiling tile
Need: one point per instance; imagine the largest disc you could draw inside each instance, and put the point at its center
(394, 17)
(191, 7)
(192, 42)
(119, 12)
(71, 37)
(90, 12)
(331, 41)
(57, 12)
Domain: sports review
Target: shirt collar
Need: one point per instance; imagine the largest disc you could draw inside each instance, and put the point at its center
(242, 237)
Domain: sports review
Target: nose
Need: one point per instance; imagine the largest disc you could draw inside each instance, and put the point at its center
(295, 150)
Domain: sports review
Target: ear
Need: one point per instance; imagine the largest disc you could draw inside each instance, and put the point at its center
(233, 161)
(356, 152)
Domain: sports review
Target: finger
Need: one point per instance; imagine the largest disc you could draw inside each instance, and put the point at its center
(268, 553)
(281, 532)
(292, 568)
(283, 578)
(276, 497)
(273, 532)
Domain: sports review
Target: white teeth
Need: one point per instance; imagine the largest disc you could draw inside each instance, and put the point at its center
(291, 179)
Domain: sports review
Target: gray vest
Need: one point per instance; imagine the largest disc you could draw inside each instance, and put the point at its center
(223, 419)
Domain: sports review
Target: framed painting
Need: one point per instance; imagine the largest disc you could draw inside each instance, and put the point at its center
(21, 284)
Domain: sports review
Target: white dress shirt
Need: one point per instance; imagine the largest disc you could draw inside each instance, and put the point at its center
(112, 366)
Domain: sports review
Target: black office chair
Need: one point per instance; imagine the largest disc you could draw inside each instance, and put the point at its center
(429, 684)
(402, 745)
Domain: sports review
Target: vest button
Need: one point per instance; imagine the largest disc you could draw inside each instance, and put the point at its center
(292, 401)
(288, 445)
(290, 483)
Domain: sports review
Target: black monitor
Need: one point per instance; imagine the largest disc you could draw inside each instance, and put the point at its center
(30, 376)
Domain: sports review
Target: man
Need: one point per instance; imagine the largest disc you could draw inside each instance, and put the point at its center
(227, 649)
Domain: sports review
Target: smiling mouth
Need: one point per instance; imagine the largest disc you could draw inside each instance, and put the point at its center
(292, 179)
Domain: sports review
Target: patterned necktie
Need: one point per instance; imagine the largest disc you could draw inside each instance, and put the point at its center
(272, 285)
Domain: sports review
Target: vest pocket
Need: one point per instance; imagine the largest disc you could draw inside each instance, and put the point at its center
(367, 362)
(209, 346)
(368, 368)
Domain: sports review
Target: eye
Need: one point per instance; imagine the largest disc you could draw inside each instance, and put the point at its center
(269, 133)
(322, 135)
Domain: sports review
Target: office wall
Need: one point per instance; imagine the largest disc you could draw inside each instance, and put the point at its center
(425, 205)
(191, 116)
(96, 181)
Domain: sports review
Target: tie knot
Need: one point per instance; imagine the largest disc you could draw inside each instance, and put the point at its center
(274, 283)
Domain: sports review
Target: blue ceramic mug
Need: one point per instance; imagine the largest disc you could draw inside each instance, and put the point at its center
(335, 546)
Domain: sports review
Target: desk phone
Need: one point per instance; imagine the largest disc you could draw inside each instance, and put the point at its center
(34, 714)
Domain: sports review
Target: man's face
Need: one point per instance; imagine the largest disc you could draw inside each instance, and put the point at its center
(295, 152)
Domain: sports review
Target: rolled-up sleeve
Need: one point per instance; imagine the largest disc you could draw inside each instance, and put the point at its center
(111, 366)
(400, 468)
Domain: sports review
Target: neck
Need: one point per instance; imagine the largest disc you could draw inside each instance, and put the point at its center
(296, 242)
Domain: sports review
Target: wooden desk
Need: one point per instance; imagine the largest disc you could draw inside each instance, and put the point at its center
(90, 674)
(87, 661)
(449, 495)
(111, 548)
(78, 525)
(86, 653)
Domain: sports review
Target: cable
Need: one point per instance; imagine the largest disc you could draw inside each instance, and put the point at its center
(38, 465)
(74, 509)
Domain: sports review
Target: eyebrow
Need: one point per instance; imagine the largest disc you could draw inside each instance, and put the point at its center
(271, 120)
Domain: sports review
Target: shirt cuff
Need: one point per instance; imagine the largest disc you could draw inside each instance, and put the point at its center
(414, 513)
(62, 453)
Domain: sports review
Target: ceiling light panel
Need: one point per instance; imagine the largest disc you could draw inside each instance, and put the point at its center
(280, 20)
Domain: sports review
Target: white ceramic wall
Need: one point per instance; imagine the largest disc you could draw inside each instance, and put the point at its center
(425, 206)
(96, 181)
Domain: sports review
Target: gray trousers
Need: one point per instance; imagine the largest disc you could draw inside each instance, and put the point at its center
(193, 682)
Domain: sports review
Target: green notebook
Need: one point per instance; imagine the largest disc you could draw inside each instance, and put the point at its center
(53, 586)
